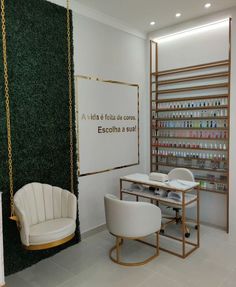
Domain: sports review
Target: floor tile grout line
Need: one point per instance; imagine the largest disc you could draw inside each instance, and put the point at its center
(53, 262)
(227, 271)
(62, 267)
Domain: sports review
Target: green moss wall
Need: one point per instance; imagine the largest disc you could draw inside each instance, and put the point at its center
(37, 59)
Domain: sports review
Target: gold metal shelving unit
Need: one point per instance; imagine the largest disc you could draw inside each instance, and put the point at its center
(190, 121)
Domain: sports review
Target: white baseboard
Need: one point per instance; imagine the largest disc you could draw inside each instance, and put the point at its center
(103, 227)
(93, 231)
(212, 225)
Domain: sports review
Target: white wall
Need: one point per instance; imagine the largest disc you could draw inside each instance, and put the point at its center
(107, 53)
(213, 206)
(196, 48)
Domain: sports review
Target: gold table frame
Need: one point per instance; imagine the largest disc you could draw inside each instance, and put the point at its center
(157, 199)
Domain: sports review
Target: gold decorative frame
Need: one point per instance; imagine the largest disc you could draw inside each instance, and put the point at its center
(90, 78)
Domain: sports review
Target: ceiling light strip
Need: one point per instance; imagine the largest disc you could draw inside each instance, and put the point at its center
(190, 31)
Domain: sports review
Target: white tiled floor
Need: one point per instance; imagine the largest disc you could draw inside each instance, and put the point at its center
(87, 265)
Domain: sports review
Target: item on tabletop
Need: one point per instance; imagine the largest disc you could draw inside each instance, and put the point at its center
(160, 192)
(157, 176)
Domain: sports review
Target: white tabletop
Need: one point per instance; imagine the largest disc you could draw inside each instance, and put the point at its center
(144, 179)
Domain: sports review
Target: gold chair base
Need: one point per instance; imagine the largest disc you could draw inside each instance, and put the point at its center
(49, 245)
(119, 242)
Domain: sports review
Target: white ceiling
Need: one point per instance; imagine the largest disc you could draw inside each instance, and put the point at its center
(137, 14)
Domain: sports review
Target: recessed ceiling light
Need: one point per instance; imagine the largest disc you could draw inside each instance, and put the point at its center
(152, 23)
(177, 15)
(207, 5)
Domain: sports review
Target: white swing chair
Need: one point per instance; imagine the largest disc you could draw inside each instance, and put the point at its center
(46, 215)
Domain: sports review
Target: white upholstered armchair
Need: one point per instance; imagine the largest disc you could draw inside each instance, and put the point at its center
(46, 215)
(131, 220)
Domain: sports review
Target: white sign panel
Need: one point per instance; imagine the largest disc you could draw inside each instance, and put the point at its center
(108, 125)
